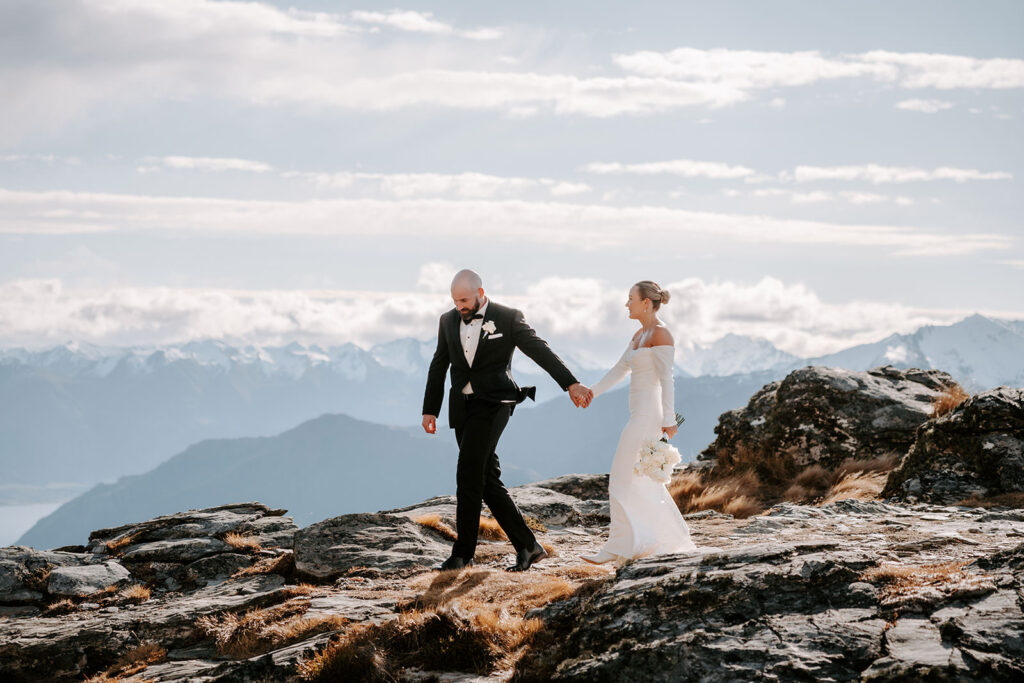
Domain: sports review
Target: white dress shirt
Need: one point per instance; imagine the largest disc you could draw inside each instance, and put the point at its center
(470, 335)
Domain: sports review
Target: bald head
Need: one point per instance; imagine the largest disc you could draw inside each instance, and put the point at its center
(467, 279)
(467, 292)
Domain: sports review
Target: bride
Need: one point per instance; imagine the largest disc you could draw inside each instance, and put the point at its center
(644, 517)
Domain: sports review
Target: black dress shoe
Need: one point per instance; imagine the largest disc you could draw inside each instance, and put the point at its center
(455, 562)
(525, 558)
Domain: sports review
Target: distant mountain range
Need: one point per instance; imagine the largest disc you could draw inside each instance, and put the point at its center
(335, 464)
(78, 414)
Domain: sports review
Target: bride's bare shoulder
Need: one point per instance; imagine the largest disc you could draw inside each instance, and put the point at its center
(662, 337)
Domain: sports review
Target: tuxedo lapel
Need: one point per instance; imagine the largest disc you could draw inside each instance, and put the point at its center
(455, 340)
(492, 315)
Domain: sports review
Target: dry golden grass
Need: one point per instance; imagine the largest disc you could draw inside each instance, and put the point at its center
(64, 606)
(115, 545)
(1008, 500)
(301, 589)
(241, 636)
(131, 663)
(735, 495)
(535, 524)
(466, 636)
(489, 527)
(136, 593)
(904, 581)
(686, 485)
(283, 564)
(243, 542)
(491, 530)
(857, 485)
(746, 482)
(950, 397)
(435, 522)
(881, 463)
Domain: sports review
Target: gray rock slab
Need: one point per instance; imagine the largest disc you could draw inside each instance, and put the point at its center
(87, 579)
(377, 541)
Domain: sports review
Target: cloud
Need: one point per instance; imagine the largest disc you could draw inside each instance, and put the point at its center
(587, 316)
(947, 72)
(421, 22)
(925, 106)
(849, 196)
(550, 223)
(874, 173)
(210, 164)
(750, 69)
(435, 277)
(87, 62)
(680, 167)
(467, 185)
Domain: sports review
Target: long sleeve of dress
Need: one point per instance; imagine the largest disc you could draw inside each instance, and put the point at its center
(617, 373)
(664, 363)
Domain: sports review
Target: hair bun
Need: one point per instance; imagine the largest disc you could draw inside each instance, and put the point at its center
(665, 296)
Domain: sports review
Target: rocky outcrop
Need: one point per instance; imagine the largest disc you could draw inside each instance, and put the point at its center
(374, 542)
(24, 572)
(821, 415)
(164, 554)
(899, 588)
(912, 594)
(977, 450)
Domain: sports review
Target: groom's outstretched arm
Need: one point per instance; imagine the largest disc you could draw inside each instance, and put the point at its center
(538, 350)
(433, 396)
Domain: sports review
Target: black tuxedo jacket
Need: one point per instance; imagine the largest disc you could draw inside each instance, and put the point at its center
(491, 373)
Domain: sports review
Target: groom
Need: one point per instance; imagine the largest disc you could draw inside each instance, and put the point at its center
(477, 339)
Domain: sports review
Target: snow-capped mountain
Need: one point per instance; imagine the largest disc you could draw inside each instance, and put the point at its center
(979, 352)
(80, 413)
(733, 354)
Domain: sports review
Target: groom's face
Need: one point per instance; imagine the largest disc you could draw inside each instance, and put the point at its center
(468, 301)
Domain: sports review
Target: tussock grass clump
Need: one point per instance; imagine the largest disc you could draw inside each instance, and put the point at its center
(535, 524)
(856, 485)
(63, 606)
(491, 530)
(283, 564)
(435, 522)
(241, 636)
(489, 527)
(745, 482)
(243, 542)
(131, 662)
(114, 546)
(950, 397)
(465, 636)
(136, 593)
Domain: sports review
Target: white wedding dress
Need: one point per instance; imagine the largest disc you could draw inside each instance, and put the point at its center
(644, 517)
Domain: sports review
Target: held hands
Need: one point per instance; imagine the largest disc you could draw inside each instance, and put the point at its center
(581, 396)
(670, 431)
(430, 424)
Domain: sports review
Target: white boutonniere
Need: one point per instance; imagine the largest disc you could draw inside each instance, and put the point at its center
(489, 327)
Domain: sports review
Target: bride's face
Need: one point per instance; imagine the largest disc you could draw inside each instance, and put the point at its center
(635, 304)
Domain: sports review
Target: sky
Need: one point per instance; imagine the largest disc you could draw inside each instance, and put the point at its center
(818, 174)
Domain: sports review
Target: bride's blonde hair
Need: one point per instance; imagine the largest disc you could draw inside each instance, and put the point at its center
(648, 289)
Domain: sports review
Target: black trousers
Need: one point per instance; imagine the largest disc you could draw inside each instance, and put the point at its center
(478, 479)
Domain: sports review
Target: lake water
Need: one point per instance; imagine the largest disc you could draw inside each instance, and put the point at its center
(17, 519)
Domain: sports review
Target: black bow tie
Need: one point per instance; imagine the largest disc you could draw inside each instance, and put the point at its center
(478, 316)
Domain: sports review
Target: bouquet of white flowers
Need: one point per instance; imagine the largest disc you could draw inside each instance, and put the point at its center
(658, 457)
